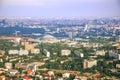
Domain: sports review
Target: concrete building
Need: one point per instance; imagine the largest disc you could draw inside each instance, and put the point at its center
(23, 52)
(13, 52)
(100, 52)
(77, 53)
(118, 56)
(35, 51)
(51, 73)
(65, 52)
(21, 65)
(89, 63)
(66, 75)
(27, 45)
(8, 65)
(46, 53)
(13, 71)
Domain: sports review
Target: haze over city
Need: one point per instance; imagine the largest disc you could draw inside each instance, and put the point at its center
(59, 8)
(59, 40)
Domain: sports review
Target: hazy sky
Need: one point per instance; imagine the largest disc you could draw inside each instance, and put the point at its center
(59, 8)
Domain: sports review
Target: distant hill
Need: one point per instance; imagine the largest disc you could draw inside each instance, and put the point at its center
(10, 30)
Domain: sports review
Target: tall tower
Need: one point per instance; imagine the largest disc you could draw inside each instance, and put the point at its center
(86, 28)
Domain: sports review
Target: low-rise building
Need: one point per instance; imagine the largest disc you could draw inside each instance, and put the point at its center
(2, 77)
(65, 52)
(51, 73)
(89, 63)
(13, 71)
(28, 46)
(60, 78)
(46, 53)
(1, 60)
(80, 78)
(8, 65)
(118, 66)
(23, 52)
(114, 55)
(77, 53)
(35, 51)
(66, 75)
(21, 65)
(13, 52)
(100, 52)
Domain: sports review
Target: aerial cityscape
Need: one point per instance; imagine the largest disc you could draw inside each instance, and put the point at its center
(59, 40)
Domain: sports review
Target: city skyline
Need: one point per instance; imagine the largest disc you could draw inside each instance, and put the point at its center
(59, 8)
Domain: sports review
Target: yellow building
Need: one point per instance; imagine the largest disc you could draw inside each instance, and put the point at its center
(27, 45)
(100, 52)
(89, 63)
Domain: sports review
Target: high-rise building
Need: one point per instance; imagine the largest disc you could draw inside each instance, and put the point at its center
(47, 53)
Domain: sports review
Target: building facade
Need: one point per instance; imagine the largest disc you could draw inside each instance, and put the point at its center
(89, 63)
(65, 52)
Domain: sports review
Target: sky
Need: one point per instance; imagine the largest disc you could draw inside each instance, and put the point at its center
(59, 8)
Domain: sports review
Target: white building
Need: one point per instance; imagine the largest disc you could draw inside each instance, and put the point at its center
(66, 75)
(77, 53)
(23, 52)
(65, 52)
(35, 51)
(47, 53)
(13, 52)
(13, 71)
(89, 63)
(51, 73)
(8, 65)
